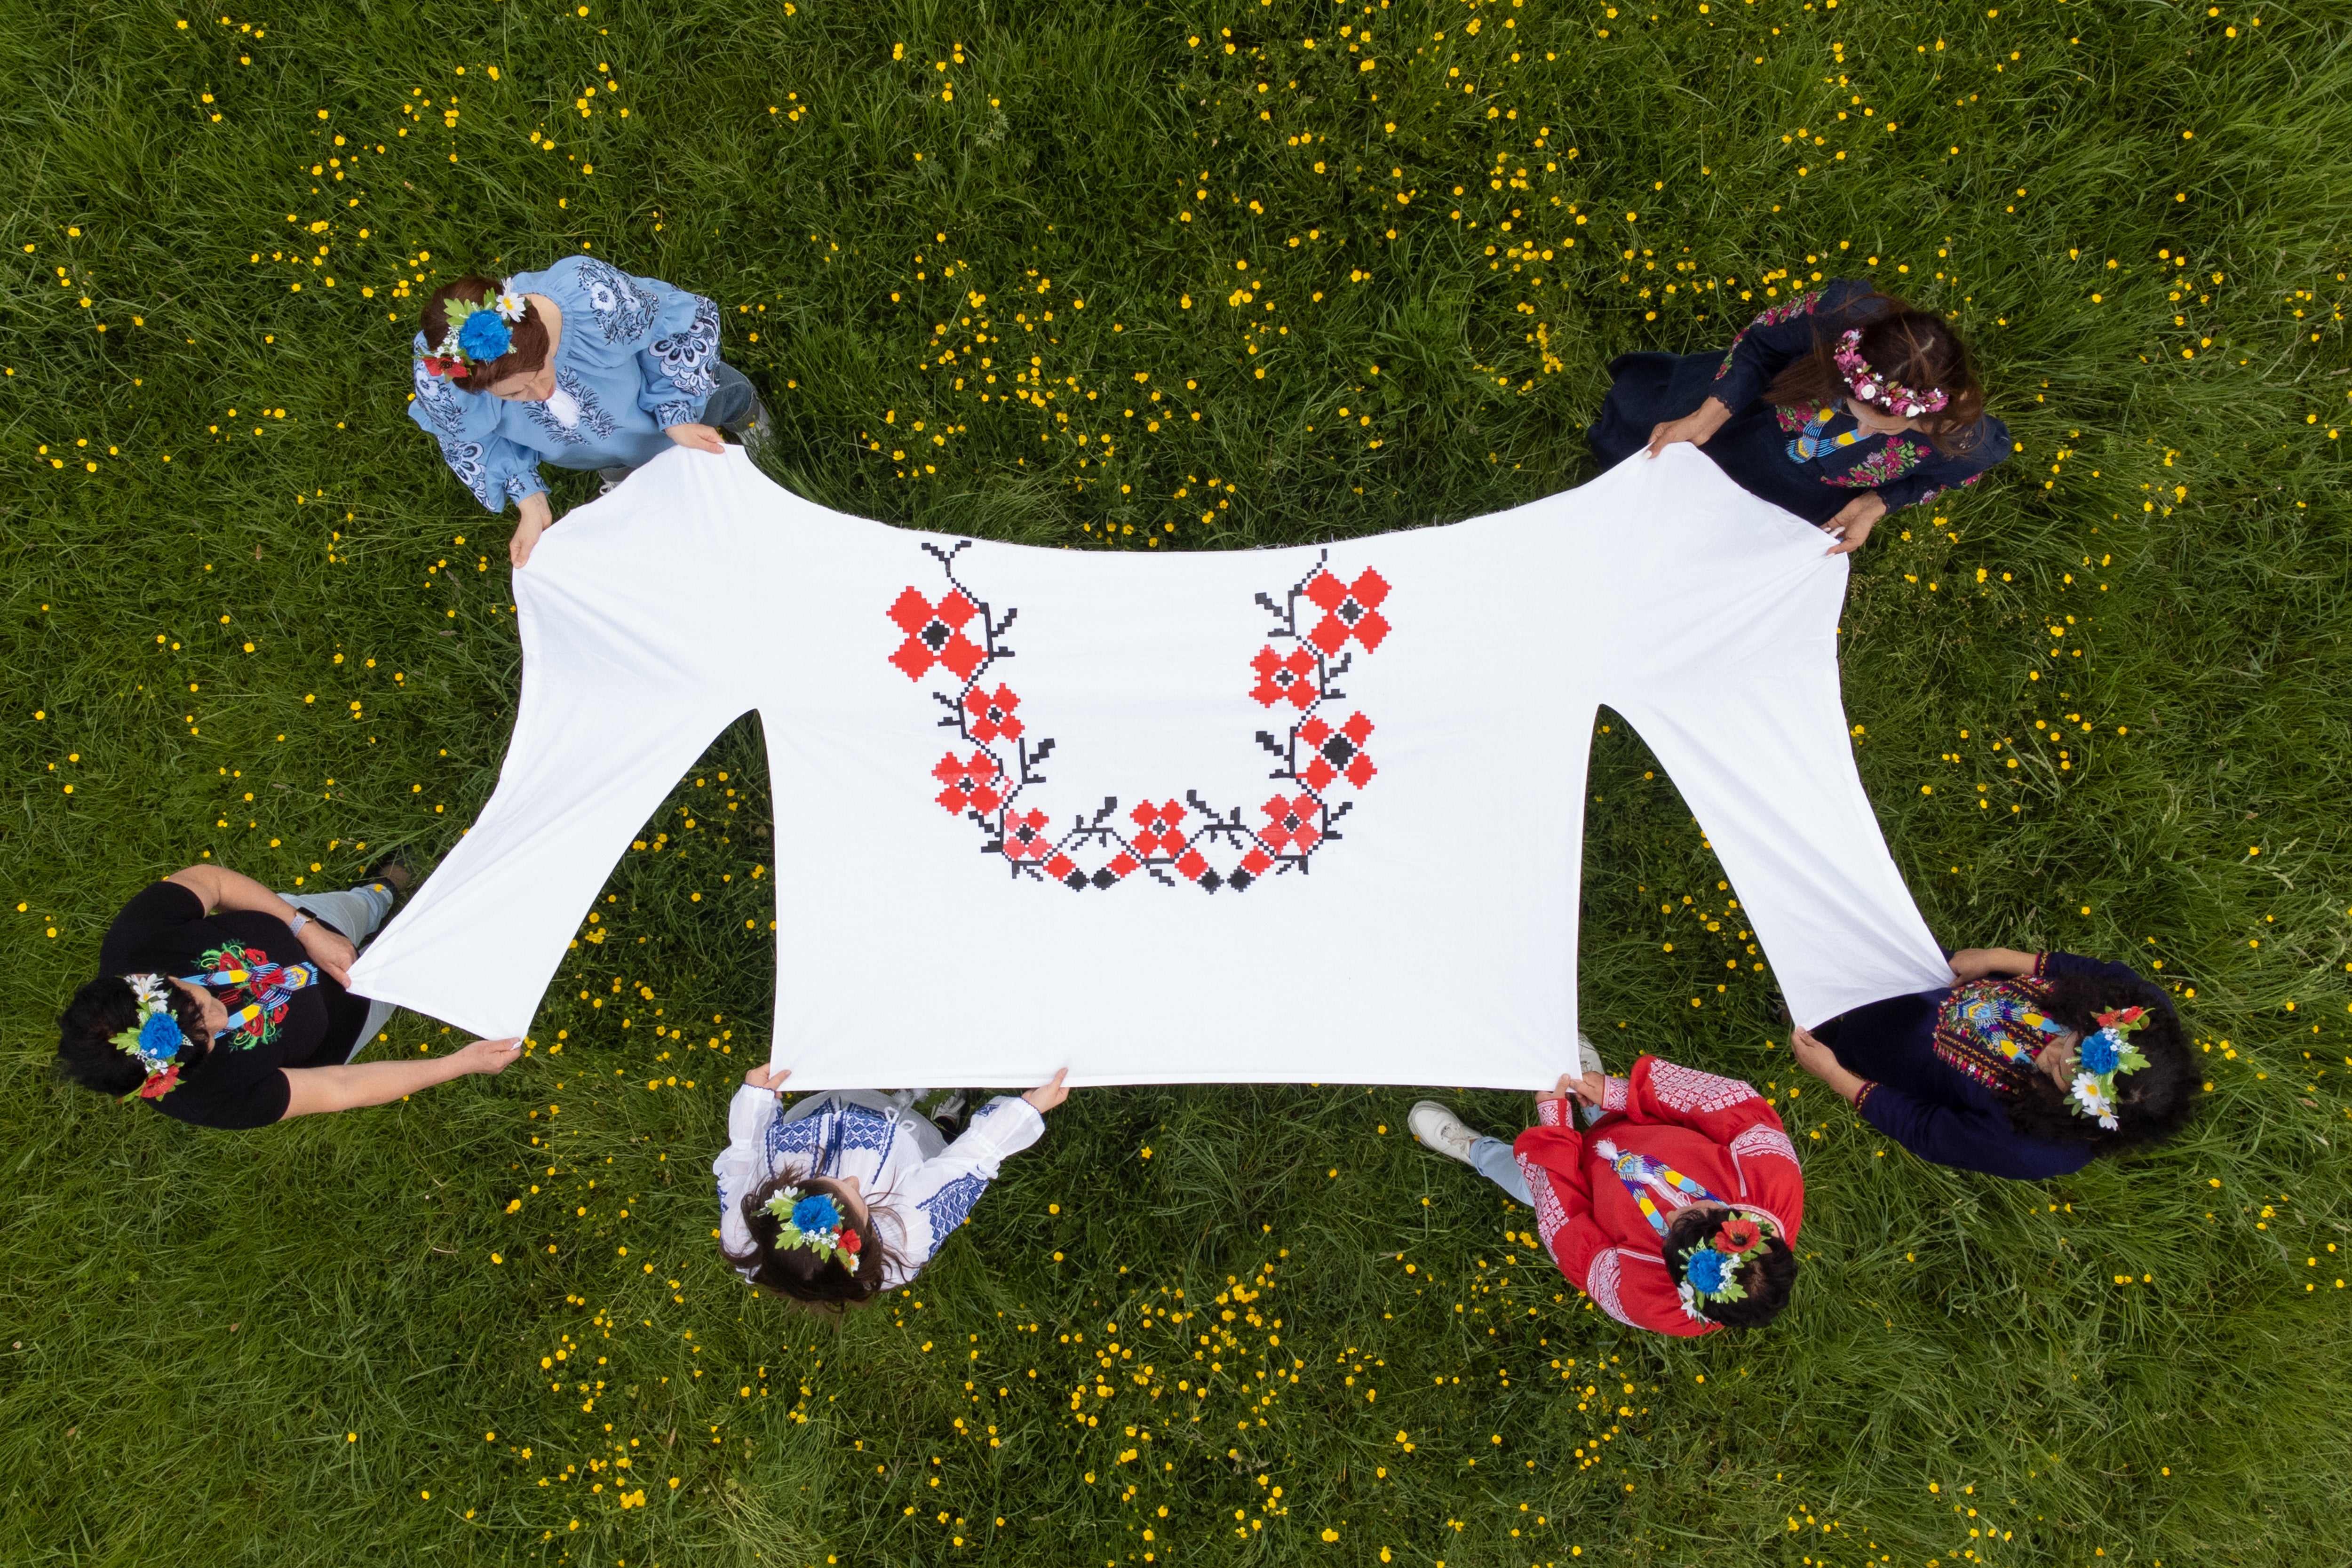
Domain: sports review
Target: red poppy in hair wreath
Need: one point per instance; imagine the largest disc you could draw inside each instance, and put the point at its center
(1739, 1234)
(1174, 839)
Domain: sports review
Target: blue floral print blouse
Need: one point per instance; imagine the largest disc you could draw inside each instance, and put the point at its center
(635, 357)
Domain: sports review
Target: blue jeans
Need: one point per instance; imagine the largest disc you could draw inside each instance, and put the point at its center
(733, 400)
(1492, 1158)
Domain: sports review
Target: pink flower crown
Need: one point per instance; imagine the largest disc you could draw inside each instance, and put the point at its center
(1875, 389)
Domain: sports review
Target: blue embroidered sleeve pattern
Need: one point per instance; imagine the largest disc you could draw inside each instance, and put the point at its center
(623, 307)
(438, 395)
(465, 461)
(687, 356)
(666, 414)
(951, 1206)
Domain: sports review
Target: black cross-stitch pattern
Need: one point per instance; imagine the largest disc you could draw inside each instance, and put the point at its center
(1170, 841)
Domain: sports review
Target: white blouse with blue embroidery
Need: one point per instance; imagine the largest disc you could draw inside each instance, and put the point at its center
(635, 356)
(919, 1185)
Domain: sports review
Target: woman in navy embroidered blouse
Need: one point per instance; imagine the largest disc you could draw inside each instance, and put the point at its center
(1839, 432)
(1977, 1076)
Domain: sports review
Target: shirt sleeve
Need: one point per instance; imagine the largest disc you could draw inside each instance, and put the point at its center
(677, 365)
(1769, 344)
(2055, 963)
(1718, 1109)
(943, 1189)
(1965, 1138)
(232, 1091)
(1941, 473)
(143, 923)
(743, 1164)
(495, 469)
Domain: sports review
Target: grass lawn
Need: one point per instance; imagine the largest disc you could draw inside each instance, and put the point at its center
(987, 265)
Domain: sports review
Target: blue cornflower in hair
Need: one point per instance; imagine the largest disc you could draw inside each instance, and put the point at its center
(2100, 1053)
(816, 1215)
(485, 336)
(1706, 1271)
(159, 1038)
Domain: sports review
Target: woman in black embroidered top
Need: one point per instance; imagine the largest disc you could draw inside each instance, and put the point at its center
(2029, 1065)
(1842, 406)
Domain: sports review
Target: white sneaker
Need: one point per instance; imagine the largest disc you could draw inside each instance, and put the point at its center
(1441, 1131)
(1588, 1056)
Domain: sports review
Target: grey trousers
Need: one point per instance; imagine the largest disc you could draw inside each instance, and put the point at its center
(355, 913)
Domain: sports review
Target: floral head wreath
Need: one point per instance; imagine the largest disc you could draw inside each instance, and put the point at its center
(815, 1222)
(155, 1039)
(478, 333)
(1875, 389)
(1711, 1269)
(2102, 1058)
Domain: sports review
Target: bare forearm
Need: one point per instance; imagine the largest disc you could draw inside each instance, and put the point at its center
(313, 1090)
(222, 889)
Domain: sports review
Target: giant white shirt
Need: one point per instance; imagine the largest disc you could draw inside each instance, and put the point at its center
(1298, 815)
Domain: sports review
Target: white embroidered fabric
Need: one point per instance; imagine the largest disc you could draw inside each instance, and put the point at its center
(563, 407)
(1191, 818)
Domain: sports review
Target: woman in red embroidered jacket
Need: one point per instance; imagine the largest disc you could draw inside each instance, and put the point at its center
(1673, 1210)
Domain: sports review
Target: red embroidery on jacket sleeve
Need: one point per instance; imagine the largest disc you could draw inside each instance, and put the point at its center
(1550, 1217)
(1613, 1093)
(1689, 1090)
(1761, 1139)
(1600, 1284)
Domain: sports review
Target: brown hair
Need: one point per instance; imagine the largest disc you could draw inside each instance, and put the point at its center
(1905, 345)
(795, 1272)
(527, 353)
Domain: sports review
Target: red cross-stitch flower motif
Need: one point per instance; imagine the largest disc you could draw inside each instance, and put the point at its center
(1290, 827)
(935, 635)
(993, 716)
(1025, 838)
(1280, 679)
(1350, 609)
(1338, 753)
(1158, 837)
(1153, 838)
(971, 786)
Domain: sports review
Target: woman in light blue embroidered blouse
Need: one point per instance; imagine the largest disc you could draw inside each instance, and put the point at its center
(581, 365)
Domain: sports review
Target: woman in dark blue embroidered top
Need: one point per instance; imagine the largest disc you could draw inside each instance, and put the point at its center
(2030, 1065)
(1842, 405)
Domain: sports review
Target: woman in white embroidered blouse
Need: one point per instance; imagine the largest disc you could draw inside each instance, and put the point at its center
(894, 1187)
